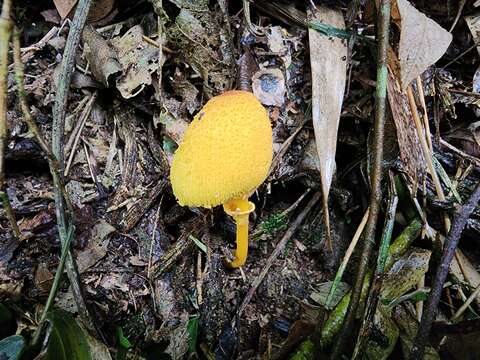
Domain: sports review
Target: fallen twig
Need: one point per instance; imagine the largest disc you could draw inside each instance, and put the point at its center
(278, 249)
(375, 191)
(450, 246)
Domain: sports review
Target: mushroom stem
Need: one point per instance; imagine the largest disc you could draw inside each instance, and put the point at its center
(239, 210)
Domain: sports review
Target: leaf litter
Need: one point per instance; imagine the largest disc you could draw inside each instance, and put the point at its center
(136, 88)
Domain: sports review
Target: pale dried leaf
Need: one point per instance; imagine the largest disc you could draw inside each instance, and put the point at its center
(329, 74)
(64, 7)
(422, 41)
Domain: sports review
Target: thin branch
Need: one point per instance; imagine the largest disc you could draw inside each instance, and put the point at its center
(449, 248)
(376, 191)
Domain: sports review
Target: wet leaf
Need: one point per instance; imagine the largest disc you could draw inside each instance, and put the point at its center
(321, 292)
(405, 273)
(192, 329)
(67, 339)
(11, 348)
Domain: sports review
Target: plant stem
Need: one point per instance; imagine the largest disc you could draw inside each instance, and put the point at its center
(377, 282)
(346, 258)
(59, 112)
(375, 192)
(6, 25)
(53, 289)
(449, 248)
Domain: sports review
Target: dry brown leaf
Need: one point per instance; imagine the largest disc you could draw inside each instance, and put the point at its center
(101, 56)
(43, 278)
(329, 73)
(97, 246)
(64, 7)
(422, 41)
(139, 60)
(100, 8)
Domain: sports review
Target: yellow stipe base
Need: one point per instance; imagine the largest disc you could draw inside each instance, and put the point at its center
(239, 210)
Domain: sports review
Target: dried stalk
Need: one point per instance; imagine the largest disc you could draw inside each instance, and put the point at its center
(459, 222)
(426, 151)
(376, 191)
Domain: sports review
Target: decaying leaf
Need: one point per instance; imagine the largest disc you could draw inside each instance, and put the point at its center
(43, 278)
(411, 154)
(97, 246)
(329, 73)
(101, 56)
(203, 42)
(139, 61)
(269, 86)
(422, 41)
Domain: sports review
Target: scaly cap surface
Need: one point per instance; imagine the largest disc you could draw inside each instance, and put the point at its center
(226, 151)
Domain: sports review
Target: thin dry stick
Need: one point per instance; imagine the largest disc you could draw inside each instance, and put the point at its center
(426, 123)
(278, 249)
(465, 305)
(426, 152)
(6, 25)
(87, 104)
(376, 190)
(460, 153)
(449, 248)
(152, 241)
(419, 304)
(82, 122)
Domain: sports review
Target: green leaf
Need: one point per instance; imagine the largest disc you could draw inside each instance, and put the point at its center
(12, 347)
(192, 329)
(67, 339)
(306, 351)
(122, 340)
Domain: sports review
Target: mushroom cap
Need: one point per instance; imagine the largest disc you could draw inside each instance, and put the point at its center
(226, 152)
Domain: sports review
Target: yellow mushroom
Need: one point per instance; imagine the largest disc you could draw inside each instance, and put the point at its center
(225, 155)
